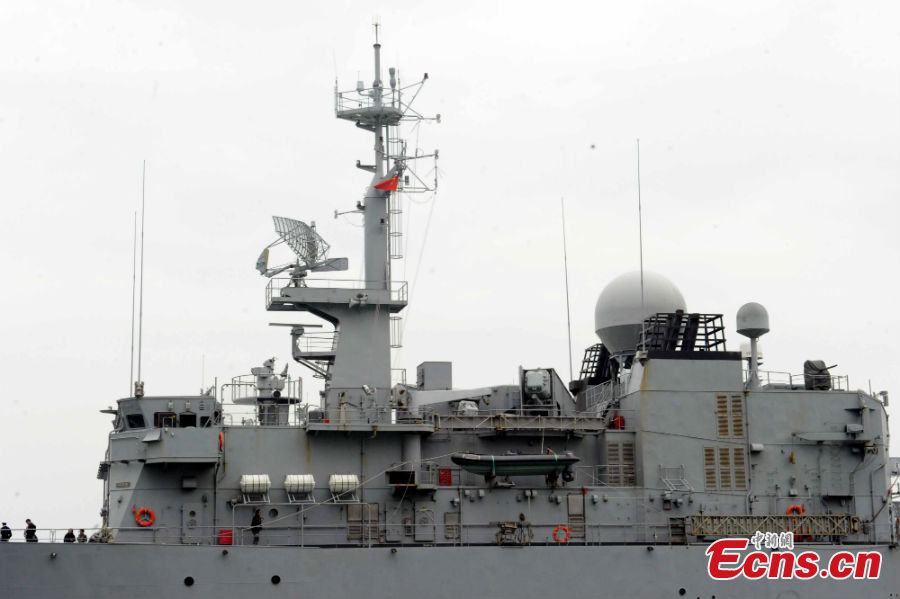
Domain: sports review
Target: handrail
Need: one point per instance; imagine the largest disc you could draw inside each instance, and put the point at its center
(838, 382)
(312, 535)
(398, 289)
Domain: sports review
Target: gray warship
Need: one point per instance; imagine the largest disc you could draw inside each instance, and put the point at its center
(616, 484)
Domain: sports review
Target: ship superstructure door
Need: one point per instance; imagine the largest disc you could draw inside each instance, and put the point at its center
(192, 531)
(362, 522)
(424, 526)
(576, 515)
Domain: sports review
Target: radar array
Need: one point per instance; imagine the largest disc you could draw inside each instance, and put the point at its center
(310, 249)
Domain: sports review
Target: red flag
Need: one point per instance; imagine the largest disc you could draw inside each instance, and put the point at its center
(389, 184)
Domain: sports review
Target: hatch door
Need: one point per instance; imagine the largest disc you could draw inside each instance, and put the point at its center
(576, 515)
(192, 523)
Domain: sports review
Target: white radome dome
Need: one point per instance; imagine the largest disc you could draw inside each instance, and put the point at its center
(752, 320)
(618, 314)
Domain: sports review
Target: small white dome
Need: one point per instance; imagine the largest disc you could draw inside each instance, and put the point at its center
(752, 320)
(618, 315)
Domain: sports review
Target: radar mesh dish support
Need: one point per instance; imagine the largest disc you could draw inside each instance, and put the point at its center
(303, 239)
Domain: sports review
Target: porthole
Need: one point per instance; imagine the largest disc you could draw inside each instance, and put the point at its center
(276, 579)
(273, 513)
(189, 581)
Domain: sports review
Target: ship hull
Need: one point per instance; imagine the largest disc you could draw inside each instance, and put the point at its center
(121, 570)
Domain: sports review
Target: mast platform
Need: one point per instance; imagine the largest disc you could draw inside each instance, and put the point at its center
(363, 110)
(286, 295)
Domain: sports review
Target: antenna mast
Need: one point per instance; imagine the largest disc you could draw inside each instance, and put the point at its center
(139, 383)
(562, 203)
(133, 286)
(640, 237)
(379, 109)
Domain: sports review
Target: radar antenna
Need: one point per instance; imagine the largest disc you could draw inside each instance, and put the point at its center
(308, 246)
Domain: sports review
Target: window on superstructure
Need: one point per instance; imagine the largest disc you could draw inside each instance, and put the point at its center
(187, 419)
(135, 420)
(164, 419)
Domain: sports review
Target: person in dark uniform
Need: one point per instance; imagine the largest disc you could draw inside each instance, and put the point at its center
(256, 526)
(70, 537)
(5, 533)
(82, 538)
(30, 531)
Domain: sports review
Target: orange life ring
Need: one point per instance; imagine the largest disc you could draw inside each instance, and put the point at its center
(565, 531)
(141, 520)
(221, 441)
(797, 510)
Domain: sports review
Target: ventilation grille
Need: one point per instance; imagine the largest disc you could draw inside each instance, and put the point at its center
(620, 463)
(729, 417)
(725, 468)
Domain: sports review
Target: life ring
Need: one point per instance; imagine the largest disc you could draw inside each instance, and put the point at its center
(143, 521)
(221, 441)
(796, 510)
(561, 539)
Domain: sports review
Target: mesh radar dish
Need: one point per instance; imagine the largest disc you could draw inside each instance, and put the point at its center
(308, 245)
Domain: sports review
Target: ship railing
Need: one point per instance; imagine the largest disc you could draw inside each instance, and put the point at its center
(399, 291)
(606, 475)
(54, 535)
(244, 386)
(283, 525)
(345, 101)
(317, 342)
(352, 101)
(597, 397)
(380, 415)
(398, 376)
(786, 380)
(589, 421)
(247, 415)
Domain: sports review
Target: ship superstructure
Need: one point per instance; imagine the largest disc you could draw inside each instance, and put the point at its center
(613, 484)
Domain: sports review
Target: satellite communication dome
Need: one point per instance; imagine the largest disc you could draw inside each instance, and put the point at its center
(618, 314)
(752, 320)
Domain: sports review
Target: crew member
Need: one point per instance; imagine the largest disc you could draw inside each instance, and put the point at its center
(256, 526)
(30, 531)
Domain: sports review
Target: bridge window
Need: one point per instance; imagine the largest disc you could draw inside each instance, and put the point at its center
(161, 419)
(135, 420)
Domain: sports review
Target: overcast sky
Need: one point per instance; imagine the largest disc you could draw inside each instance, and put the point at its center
(770, 172)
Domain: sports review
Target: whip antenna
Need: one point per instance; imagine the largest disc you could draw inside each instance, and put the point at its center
(133, 287)
(139, 384)
(562, 203)
(641, 239)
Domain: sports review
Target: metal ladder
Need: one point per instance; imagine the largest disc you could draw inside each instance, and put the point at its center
(677, 531)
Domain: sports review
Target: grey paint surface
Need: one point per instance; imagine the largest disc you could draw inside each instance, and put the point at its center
(510, 572)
